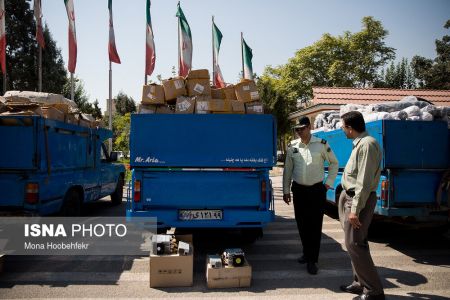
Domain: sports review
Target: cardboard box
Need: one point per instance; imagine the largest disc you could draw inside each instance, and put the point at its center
(246, 91)
(71, 118)
(52, 113)
(229, 277)
(197, 87)
(65, 108)
(238, 107)
(198, 74)
(229, 92)
(164, 109)
(217, 94)
(185, 105)
(254, 108)
(174, 88)
(84, 123)
(147, 108)
(153, 94)
(172, 270)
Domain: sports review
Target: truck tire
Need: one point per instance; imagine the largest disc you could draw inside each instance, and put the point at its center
(72, 204)
(116, 197)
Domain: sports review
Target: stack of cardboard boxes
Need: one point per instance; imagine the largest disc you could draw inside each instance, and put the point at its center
(49, 107)
(194, 95)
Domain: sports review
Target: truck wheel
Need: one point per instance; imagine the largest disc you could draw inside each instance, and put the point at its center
(72, 204)
(116, 197)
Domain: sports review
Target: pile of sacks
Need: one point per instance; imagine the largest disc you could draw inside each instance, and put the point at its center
(47, 105)
(409, 108)
(194, 95)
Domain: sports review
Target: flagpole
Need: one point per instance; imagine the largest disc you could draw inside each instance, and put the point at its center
(110, 106)
(40, 69)
(179, 44)
(242, 54)
(71, 87)
(213, 52)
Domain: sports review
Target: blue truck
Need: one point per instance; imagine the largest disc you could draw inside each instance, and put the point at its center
(202, 171)
(415, 166)
(48, 167)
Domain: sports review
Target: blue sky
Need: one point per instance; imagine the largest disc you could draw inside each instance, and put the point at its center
(273, 29)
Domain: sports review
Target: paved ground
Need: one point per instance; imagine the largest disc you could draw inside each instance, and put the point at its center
(413, 265)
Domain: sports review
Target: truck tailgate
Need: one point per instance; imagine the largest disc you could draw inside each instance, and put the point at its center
(201, 189)
(12, 189)
(414, 187)
(175, 140)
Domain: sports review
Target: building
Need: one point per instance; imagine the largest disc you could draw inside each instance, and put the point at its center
(331, 98)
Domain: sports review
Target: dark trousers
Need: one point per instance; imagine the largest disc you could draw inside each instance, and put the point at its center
(309, 202)
(364, 271)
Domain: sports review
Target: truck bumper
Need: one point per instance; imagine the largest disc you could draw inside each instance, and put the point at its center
(231, 219)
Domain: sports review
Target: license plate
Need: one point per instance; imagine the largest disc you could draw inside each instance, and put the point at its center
(192, 215)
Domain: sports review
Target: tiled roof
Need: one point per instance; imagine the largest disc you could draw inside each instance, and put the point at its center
(338, 95)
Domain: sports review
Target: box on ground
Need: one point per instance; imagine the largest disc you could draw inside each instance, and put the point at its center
(246, 91)
(254, 108)
(197, 87)
(173, 270)
(153, 94)
(185, 105)
(173, 88)
(229, 277)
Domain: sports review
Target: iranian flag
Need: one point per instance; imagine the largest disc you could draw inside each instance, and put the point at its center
(72, 36)
(112, 50)
(247, 56)
(2, 37)
(217, 39)
(184, 43)
(38, 17)
(150, 55)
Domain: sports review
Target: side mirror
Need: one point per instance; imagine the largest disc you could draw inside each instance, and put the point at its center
(113, 156)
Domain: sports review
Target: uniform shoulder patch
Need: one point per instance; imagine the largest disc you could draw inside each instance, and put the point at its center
(323, 141)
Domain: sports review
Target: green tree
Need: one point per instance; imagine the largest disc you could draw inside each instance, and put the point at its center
(124, 104)
(80, 96)
(22, 52)
(121, 129)
(435, 74)
(400, 76)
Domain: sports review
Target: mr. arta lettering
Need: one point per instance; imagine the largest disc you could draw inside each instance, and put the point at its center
(149, 159)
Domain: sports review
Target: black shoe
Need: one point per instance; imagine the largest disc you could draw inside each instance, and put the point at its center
(311, 268)
(370, 297)
(302, 260)
(352, 288)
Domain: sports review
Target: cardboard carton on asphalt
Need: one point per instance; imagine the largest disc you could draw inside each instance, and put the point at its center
(229, 277)
(173, 270)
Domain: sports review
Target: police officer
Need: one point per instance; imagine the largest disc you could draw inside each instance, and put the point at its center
(356, 206)
(304, 165)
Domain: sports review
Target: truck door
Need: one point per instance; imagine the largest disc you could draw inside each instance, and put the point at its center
(107, 174)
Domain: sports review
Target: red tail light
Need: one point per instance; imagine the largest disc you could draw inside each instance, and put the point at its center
(263, 191)
(32, 193)
(137, 191)
(385, 192)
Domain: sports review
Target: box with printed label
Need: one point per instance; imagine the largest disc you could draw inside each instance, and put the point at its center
(254, 108)
(185, 105)
(198, 87)
(147, 108)
(153, 94)
(229, 277)
(174, 88)
(173, 270)
(246, 91)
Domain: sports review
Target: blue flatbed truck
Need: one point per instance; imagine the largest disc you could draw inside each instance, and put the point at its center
(202, 171)
(48, 167)
(415, 165)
